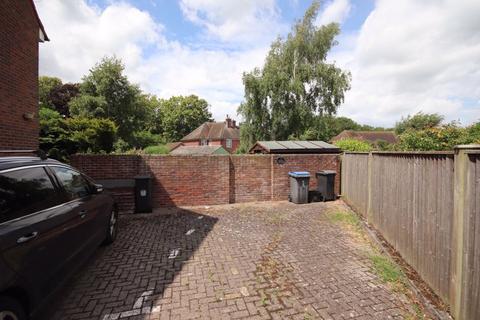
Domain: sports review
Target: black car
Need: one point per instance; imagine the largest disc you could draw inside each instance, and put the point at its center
(52, 217)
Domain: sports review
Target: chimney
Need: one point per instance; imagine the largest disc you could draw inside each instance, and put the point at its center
(228, 121)
(234, 124)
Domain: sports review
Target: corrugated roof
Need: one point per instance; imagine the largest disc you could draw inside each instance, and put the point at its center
(294, 146)
(198, 150)
(213, 131)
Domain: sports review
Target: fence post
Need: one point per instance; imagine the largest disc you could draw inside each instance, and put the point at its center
(369, 212)
(459, 228)
(343, 175)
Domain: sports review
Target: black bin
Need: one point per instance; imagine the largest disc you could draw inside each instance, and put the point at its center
(326, 184)
(299, 186)
(143, 194)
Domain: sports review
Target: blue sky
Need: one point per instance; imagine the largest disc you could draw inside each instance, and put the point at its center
(404, 56)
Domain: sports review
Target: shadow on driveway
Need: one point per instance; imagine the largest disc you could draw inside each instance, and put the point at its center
(125, 278)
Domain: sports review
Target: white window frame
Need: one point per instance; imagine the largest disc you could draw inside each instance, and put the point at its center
(229, 143)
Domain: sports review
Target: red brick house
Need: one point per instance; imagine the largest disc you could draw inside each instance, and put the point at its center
(21, 31)
(225, 134)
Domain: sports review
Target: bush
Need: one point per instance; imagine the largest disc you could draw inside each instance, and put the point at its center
(160, 149)
(474, 133)
(434, 139)
(353, 145)
(91, 135)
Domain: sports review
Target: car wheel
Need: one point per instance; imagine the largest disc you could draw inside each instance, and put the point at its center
(10, 309)
(112, 228)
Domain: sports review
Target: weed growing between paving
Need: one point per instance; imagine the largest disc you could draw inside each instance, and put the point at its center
(385, 268)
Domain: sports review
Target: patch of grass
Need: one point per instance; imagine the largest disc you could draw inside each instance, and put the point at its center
(344, 217)
(387, 270)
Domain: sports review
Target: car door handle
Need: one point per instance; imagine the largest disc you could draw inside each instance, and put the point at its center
(27, 237)
(82, 213)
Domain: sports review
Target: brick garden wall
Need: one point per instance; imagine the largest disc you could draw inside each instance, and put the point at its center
(19, 75)
(206, 180)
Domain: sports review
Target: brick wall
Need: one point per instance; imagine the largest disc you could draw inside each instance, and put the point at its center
(250, 178)
(18, 75)
(207, 180)
(188, 180)
(311, 163)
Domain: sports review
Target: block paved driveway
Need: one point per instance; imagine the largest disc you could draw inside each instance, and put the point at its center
(272, 260)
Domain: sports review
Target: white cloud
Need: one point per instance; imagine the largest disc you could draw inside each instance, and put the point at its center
(335, 11)
(81, 34)
(211, 74)
(415, 55)
(240, 22)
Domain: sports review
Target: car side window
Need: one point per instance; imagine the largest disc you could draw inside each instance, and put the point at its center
(25, 191)
(74, 183)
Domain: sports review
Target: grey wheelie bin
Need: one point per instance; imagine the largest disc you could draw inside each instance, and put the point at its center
(326, 184)
(299, 186)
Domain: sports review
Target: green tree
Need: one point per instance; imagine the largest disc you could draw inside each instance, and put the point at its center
(106, 93)
(419, 121)
(60, 97)
(181, 115)
(354, 145)
(45, 86)
(326, 127)
(295, 84)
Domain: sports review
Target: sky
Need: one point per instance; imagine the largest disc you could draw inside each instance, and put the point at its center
(404, 56)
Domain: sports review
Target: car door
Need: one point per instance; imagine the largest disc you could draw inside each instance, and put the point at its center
(88, 206)
(36, 227)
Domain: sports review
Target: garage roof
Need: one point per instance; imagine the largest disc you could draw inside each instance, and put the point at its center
(294, 147)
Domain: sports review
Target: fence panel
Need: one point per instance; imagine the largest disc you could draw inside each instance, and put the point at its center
(412, 205)
(355, 180)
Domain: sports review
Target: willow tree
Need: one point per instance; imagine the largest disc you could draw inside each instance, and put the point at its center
(295, 84)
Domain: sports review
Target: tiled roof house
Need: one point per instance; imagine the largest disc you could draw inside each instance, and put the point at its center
(225, 134)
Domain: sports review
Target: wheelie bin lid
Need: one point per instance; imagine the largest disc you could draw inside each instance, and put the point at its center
(299, 174)
(326, 173)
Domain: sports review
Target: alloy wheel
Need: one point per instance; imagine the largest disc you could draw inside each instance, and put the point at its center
(8, 315)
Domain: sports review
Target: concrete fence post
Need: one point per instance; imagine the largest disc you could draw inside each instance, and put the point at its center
(460, 235)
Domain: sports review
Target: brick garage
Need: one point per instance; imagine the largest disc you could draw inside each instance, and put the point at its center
(19, 25)
(206, 180)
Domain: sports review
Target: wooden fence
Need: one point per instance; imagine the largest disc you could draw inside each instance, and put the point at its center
(427, 206)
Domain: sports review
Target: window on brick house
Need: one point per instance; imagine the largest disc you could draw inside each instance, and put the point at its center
(204, 142)
(229, 143)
